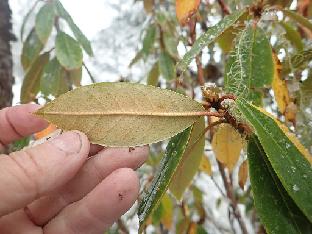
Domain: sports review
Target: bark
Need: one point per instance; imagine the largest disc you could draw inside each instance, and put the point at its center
(6, 76)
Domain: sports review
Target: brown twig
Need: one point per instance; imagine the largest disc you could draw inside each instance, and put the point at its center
(200, 71)
(89, 73)
(233, 201)
(224, 7)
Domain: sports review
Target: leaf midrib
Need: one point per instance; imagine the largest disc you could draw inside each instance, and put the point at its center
(129, 113)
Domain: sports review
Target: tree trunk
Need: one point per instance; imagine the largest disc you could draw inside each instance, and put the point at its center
(6, 76)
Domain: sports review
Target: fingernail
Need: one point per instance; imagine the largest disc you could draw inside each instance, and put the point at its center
(69, 142)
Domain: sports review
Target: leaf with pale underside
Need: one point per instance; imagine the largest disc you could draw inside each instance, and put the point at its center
(123, 114)
(190, 160)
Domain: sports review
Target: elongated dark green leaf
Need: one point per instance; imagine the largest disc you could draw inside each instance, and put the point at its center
(123, 114)
(31, 49)
(31, 82)
(166, 66)
(174, 152)
(250, 66)
(81, 38)
(153, 75)
(149, 39)
(299, 18)
(53, 80)
(44, 22)
(277, 210)
(292, 35)
(68, 51)
(208, 37)
(190, 161)
(287, 156)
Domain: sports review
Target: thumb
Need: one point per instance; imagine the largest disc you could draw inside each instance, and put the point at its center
(28, 174)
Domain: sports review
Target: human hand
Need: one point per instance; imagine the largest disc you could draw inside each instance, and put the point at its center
(55, 187)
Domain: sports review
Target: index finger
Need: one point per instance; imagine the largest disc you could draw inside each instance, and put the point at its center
(18, 121)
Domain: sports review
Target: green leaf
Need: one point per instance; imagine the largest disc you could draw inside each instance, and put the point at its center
(53, 80)
(81, 38)
(171, 44)
(301, 59)
(190, 161)
(299, 18)
(292, 35)
(149, 39)
(123, 114)
(31, 82)
(137, 57)
(208, 37)
(44, 22)
(153, 75)
(166, 66)
(26, 18)
(68, 51)
(250, 66)
(306, 93)
(20, 144)
(31, 49)
(287, 156)
(174, 152)
(276, 209)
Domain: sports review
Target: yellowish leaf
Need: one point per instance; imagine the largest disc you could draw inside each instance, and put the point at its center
(243, 174)
(192, 228)
(168, 211)
(190, 161)
(205, 165)
(291, 112)
(148, 5)
(185, 9)
(279, 86)
(227, 144)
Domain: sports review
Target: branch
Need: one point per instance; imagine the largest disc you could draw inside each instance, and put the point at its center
(200, 71)
(224, 7)
(89, 73)
(233, 201)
